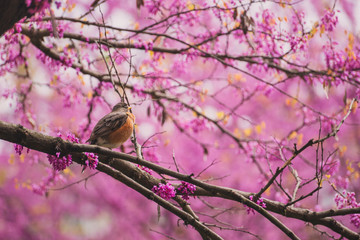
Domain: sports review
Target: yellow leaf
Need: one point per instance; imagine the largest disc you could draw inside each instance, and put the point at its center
(26, 185)
(237, 133)
(290, 102)
(71, 7)
(279, 77)
(203, 95)
(350, 169)
(67, 171)
(239, 77)
(354, 107)
(260, 127)
(151, 53)
(229, 79)
(199, 83)
(2, 176)
(247, 132)
(351, 40)
(54, 80)
(40, 209)
(322, 29)
(300, 139)
(237, 25)
(220, 115)
(190, 5)
(11, 159)
(166, 142)
(292, 135)
(225, 4)
(22, 157)
(268, 191)
(226, 119)
(272, 21)
(342, 150)
(17, 184)
(81, 78)
(313, 31)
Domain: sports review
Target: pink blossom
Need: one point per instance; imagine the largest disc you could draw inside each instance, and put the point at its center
(166, 191)
(185, 189)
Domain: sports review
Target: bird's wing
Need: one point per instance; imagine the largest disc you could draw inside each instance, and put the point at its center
(107, 125)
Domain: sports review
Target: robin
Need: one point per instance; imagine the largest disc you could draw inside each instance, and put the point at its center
(114, 128)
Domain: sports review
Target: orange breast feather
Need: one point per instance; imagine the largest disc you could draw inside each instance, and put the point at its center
(123, 133)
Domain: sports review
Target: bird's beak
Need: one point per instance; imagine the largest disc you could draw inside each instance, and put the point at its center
(129, 108)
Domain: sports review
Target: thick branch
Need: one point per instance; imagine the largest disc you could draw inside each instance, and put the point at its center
(11, 12)
(47, 144)
(50, 145)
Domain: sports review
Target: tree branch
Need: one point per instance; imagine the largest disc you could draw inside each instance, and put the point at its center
(47, 144)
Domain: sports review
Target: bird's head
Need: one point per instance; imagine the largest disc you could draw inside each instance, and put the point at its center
(121, 106)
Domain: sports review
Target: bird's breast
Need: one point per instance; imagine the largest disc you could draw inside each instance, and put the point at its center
(122, 134)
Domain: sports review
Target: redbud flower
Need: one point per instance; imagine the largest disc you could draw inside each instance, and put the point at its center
(58, 4)
(18, 148)
(166, 191)
(186, 189)
(71, 137)
(348, 201)
(92, 160)
(59, 163)
(259, 202)
(145, 169)
(329, 20)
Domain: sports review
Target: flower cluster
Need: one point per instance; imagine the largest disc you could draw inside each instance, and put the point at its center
(197, 125)
(153, 6)
(329, 20)
(18, 148)
(148, 45)
(145, 169)
(72, 138)
(92, 160)
(48, 181)
(185, 189)
(259, 202)
(58, 162)
(166, 191)
(348, 200)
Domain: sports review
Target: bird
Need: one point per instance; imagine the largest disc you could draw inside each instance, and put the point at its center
(114, 128)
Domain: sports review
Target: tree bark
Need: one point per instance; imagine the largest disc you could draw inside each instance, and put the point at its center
(11, 12)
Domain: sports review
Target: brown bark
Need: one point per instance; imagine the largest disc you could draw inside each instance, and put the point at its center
(11, 12)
